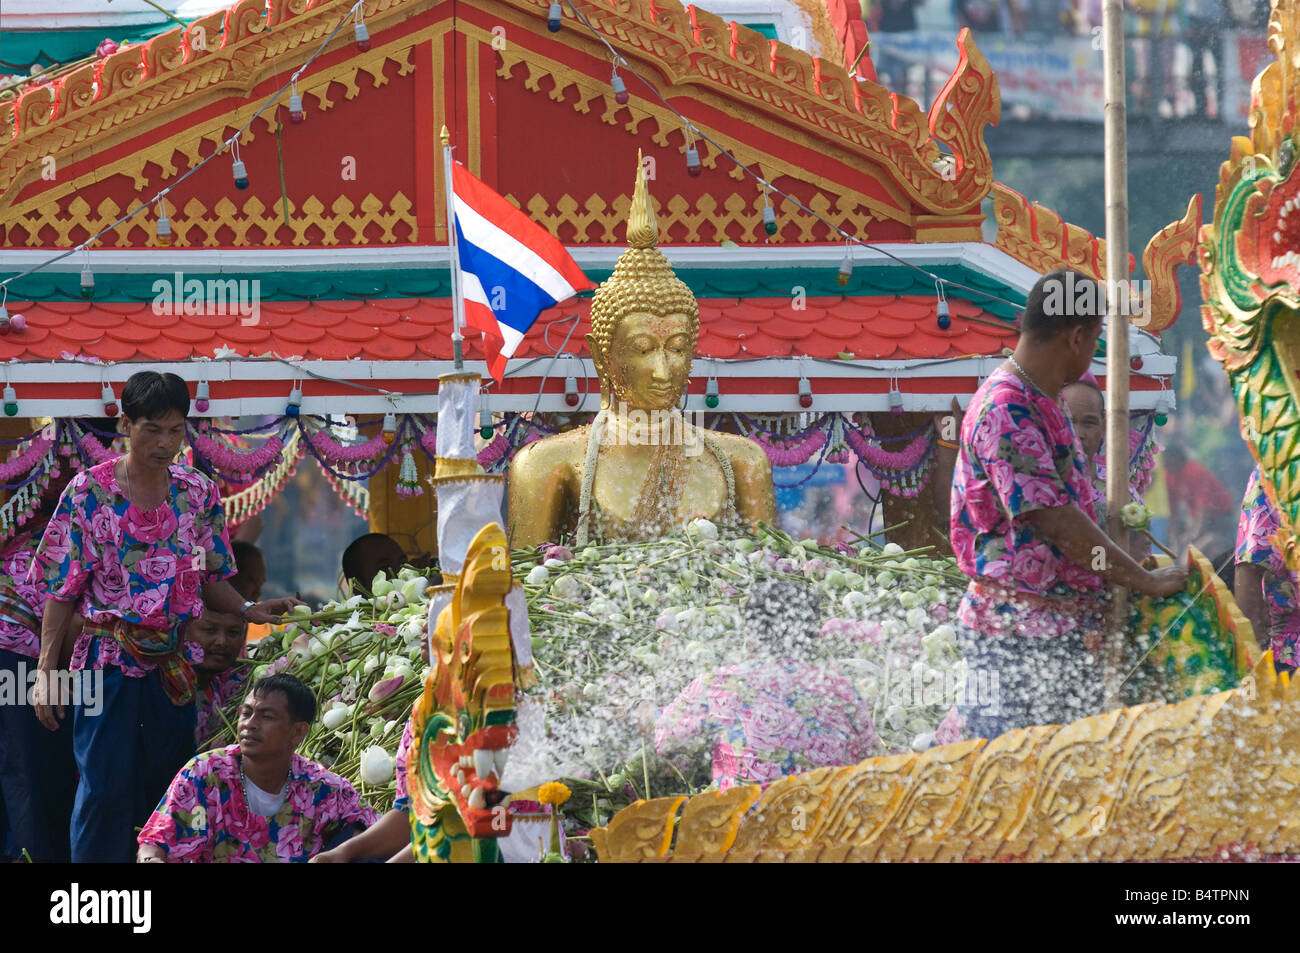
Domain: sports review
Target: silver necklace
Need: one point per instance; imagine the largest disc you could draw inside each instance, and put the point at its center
(1025, 374)
(243, 782)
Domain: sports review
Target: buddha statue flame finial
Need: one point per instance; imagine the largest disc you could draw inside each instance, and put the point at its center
(643, 280)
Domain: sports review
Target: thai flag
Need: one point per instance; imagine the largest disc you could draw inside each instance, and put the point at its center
(511, 269)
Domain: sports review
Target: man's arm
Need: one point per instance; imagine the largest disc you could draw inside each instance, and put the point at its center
(1248, 589)
(377, 842)
(1071, 531)
(223, 597)
(54, 628)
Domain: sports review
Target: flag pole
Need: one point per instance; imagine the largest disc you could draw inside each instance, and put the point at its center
(1117, 356)
(457, 299)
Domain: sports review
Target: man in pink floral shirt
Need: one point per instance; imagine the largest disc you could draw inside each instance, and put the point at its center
(136, 545)
(1266, 588)
(1024, 525)
(257, 801)
(38, 776)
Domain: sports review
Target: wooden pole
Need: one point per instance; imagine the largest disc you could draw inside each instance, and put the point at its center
(1117, 325)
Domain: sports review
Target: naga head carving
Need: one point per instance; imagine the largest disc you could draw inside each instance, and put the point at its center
(465, 720)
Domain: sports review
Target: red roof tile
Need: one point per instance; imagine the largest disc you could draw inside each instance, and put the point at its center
(883, 326)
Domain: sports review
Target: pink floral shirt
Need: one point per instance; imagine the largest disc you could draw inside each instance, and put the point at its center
(223, 687)
(204, 817)
(402, 802)
(21, 602)
(1259, 521)
(1019, 453)
(118, 562)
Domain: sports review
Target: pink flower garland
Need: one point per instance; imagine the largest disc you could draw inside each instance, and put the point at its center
(229, 462)
(94, 449)
(22, 464)
(494, 451)
(336, 453)
(794, 452)
(878, 458)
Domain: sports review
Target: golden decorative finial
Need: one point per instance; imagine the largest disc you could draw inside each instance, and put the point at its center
(446, 135)
(642, 229)
(643, 280)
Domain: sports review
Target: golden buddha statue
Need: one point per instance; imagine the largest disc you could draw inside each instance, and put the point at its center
(639, 470)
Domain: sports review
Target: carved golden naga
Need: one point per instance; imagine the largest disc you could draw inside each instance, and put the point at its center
(640, 469)
(1150, 782)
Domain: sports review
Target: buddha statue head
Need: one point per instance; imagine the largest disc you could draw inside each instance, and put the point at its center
(644, 319)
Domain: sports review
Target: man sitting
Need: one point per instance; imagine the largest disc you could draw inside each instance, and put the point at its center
(220, 675)
(256, 801)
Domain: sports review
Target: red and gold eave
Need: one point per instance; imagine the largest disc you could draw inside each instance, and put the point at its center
(530, 112)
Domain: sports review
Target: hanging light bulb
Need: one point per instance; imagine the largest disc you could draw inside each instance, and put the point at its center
(1162, 409)
(711, 393)
(294, 406)
(240, 172)
(164, 229)
(769, 214)
(554, 18)
(805, 393)
(571, 398)
(18, 322)
(5, 320)
(390, 427)
(87, 282)
(846, 267)
(361, 35)
(201, 398)
(1135, 362)
(693, 167)
(895, 400)
(110, 401)
(620, 88)
(296, 113)
(485, 423)
(11, 401)
(942, 313)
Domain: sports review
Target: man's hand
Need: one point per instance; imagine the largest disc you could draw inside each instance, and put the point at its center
(336, 856)
(270, 610)
(45, 712)
(1162, 583)
(151, 854)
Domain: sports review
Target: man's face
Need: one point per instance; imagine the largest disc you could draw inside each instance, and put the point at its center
(377, 555)
(1086, 411)
(221, 636)
(156, 441)
(265, 728)
(1080, 347)
(250, 579)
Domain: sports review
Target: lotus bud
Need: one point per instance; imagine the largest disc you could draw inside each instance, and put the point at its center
(376, 766)
(336, 717)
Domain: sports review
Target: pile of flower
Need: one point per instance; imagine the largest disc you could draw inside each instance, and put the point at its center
(618, 632)
(362, 659)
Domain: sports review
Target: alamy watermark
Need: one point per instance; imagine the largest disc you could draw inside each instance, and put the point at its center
(215, 297)
(657, 428)
(82, 689)
(1084, 296)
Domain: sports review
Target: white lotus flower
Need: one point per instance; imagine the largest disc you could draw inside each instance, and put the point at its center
(376, 766)
(539, 574)
(336, 717)
(702, 528)
(893, 549)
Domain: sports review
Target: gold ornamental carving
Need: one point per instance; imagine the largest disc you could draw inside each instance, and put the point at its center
(1145, 783)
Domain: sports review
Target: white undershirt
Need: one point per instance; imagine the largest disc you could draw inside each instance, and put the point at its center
(262, 802)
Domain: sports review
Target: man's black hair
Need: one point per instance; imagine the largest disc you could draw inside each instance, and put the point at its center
(352, 555)
(149, 395)
(245, 552)
(299, 698)
(782, 613)
(1061, 300)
